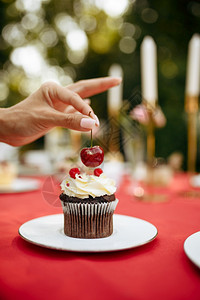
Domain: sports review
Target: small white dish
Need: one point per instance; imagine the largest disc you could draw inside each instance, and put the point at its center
(48, 232)
(195, 181)
(20, 185)
(192, 248)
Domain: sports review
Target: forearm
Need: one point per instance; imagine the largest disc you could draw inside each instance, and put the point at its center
(13, 125)
(18, 125)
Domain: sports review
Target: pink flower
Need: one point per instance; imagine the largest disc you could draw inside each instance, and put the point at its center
(141, 114)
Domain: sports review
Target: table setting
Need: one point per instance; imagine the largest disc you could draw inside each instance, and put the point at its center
(149, 239)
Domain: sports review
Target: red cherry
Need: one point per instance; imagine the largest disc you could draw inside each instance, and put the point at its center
(98, 172)
(73, 172)
(92, 157)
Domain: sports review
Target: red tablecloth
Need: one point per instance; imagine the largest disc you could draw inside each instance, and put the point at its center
(158, 270)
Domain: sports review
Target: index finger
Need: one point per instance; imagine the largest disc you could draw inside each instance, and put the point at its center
(90, 87)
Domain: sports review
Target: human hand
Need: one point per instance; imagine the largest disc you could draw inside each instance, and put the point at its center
(50, 106)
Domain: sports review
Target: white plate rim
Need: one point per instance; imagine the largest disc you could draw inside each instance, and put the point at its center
(34, 185)
(188, 243)
(154, 235)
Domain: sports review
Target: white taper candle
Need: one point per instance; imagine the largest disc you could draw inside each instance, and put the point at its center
(193, 66)
(115, 94)
(149, 70)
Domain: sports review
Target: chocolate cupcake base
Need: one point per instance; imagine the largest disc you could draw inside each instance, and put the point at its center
(88, 220)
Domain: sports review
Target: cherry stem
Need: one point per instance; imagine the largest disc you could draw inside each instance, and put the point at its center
(91, 139)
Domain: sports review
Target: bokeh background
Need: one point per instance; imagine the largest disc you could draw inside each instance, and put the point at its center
(69, 40)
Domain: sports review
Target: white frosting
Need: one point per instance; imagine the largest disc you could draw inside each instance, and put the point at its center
(88, 185)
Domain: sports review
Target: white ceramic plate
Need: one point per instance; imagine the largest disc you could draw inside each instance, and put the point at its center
(48, 232)
(192, 248)
(22, 185)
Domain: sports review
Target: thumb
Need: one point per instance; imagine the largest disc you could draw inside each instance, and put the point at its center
(72, 121)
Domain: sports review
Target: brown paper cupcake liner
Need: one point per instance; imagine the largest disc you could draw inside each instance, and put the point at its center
(88, 220)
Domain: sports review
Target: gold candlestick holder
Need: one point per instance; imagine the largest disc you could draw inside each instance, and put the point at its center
(150, 132)
(156, 174)
(114, 140)
(150, 139)
(191, 108)
(75, 140)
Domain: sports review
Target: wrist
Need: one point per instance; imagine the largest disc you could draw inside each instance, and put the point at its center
(3, 126)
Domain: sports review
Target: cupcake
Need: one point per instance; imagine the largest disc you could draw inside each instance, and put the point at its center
(88, 202)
